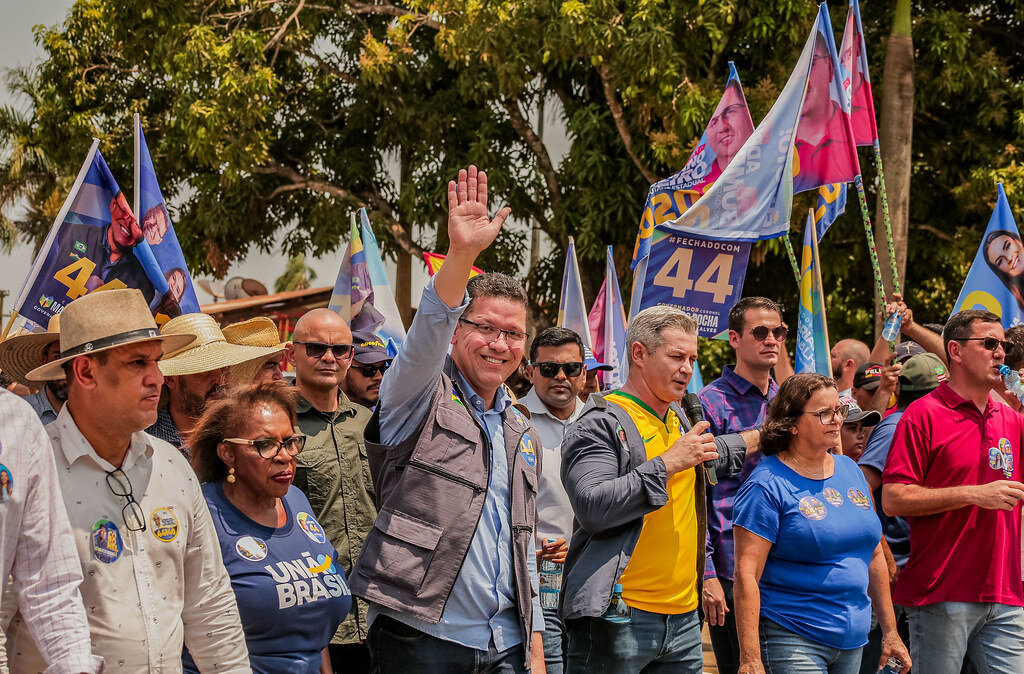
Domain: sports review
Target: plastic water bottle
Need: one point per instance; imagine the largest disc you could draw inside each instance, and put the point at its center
(550, 581)
(618, 611)
(892, 327)
(892, 666)
(1013, 382)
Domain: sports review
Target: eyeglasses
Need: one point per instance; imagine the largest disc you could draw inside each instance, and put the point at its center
(827, 417)
(268, 448)
(120, 485)
(493, 334)
(549, 369)
(988, 343)
(370, 370)
(760, 333)
(319, 349)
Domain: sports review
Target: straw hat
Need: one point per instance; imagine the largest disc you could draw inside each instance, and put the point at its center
(21, 354)
(259, 331)
(210, 351)
(102, 321)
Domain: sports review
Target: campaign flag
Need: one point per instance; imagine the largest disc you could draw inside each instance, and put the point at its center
(435, 260)
(91, 246)
(831, 204)
(608, 326)
(994, 280)
(161, 257)
(812, 349)
(729, 128)
(572, 311)
(854, 56)
(381, 295)
(825, 149)
(696, 381)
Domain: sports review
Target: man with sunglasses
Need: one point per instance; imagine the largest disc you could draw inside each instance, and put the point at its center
(735, 404)
(954, 472)
(370, 362)
(332, 469)
(151, 562)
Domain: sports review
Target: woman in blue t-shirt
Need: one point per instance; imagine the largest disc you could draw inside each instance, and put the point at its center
(291, 595)
(809, 564)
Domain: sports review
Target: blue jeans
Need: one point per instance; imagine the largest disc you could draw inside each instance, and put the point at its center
(396, 648)
(987, 637)
(554, 642)
(786, 652)
(650, 642)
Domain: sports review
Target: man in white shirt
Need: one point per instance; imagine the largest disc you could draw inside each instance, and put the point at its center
(153, 574)
(557, 373)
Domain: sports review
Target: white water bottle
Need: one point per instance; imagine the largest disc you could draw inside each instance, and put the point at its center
(1013, 382)
(550, 581)
(892, 666)
(892, 327)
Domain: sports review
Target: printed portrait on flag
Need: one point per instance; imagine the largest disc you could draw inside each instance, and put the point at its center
(1002, 250)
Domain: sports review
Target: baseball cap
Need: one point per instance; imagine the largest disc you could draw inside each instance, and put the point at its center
(868, 376)
(593, 363)
(869, 417)
(922, 372)
(369, 348)
(906, 350)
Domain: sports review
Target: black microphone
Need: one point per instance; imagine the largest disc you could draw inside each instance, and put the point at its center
(695, 413)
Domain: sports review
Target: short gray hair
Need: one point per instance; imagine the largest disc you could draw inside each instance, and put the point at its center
(648, 325)
(494, 284)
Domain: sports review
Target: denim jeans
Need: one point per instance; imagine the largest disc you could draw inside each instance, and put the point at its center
(724, 640)
(396, 648)
(554, 642)
(986, 637)
(786, 652)
(649, 642)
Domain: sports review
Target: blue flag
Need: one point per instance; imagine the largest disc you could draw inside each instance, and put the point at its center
(994, 280)
(161, 257)
(572, 311)
(831, 204)
(381, 296)
(696, 381)
(812, 349)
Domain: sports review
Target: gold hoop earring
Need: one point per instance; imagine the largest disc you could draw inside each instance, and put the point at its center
(231, 475)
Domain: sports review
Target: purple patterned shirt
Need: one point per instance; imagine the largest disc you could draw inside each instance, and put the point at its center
(731, 404)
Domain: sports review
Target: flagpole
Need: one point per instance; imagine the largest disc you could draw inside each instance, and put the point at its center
(821, 306)
(872, 250)
(10, 323)
(792, 257)
(885, 218)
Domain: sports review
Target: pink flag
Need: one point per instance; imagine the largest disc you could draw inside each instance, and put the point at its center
(854, 57)
(596, 321)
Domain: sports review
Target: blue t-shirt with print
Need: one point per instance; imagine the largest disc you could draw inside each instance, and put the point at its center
(815, 580)
(291, 595)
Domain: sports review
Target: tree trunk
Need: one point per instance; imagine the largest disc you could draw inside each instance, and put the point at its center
(895, 128)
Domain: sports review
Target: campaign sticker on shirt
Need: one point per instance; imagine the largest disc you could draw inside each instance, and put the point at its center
(812, 508)
(527, 450)
(1006, 449)
(833, 497)
(106, 541)
(519, 416)
(251, 548)
(858, 498)
(995, 458)
(312, 528)
(6, 483)
(165, 524)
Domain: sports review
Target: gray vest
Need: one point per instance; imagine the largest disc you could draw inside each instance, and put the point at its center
(430, 492)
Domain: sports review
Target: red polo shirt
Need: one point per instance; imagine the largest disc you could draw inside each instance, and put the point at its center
(969, 554)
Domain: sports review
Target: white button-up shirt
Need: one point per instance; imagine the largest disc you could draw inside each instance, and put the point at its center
(145, 592)
(36, 546)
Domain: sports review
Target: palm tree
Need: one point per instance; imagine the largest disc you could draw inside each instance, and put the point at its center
(296, 276)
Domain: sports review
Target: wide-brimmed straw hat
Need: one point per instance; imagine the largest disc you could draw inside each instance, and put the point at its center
(259, 331)
(101, 321)
(21, 354)
(210, 350)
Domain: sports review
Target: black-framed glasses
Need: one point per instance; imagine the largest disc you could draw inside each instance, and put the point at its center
(120, 485)
(369, 370)
(319, 349)
(761, 332)
(827, 417)
(549, 369)
(493, 334)
(268, 448)
(988, 343)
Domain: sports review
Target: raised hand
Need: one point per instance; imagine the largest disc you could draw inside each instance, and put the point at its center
(470, 229)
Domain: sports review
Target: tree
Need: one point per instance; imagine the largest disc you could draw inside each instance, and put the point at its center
(297, 275)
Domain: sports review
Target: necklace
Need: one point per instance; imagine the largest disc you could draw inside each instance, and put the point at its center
(809, 473)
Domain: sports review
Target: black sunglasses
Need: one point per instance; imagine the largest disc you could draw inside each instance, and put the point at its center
(549, 369)
(319, 349)
(989, 343)
(120, 485)
(760, 333)
(370, 370)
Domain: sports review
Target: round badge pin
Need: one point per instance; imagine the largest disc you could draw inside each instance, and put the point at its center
(310, 527)
(164, 524)
(812, 508)
(251, 548)
(106, 541)
(6, 483)
(858, 498)
(833, 497)
(995, 458)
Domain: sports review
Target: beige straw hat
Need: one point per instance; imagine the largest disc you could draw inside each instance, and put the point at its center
(210, 351)
(23, 353)
(259, 331)
(101, 321)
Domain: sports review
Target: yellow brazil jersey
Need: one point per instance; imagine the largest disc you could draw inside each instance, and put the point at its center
(661, 576)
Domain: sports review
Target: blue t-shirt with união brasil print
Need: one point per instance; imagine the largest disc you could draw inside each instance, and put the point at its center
(291, 595)
(815, 580)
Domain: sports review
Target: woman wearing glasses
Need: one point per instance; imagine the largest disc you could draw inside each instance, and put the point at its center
(809, 564)
(291, 595)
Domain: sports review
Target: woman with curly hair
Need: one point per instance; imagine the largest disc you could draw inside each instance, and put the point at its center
(809, 564)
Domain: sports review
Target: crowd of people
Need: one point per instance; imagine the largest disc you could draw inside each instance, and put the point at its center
(170, 504)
